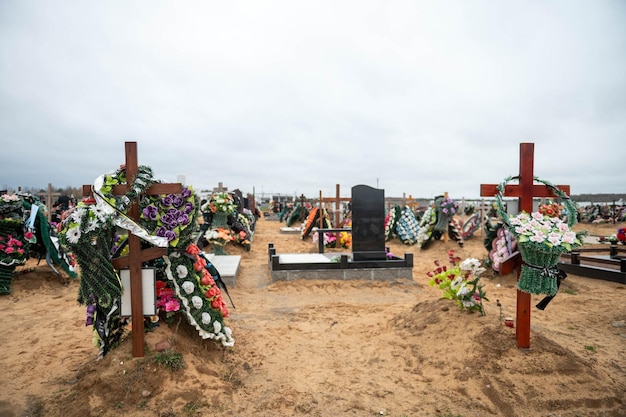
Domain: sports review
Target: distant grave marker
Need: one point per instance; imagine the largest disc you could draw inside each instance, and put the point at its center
(368, 223)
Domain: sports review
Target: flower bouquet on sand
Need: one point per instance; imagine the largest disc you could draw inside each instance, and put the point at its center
(542, 237)
(460, 282)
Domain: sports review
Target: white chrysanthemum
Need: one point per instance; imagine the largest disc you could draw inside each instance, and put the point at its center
(181, 271)
(92, 225)
(196, 301)
(99, 212)
(73, 235)
(77, 214)
(206, 318)
(217, 326)
(187, 285)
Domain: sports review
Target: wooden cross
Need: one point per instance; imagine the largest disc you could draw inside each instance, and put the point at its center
(136, 256)
(49, 196)
(337, 200)
(525, 191)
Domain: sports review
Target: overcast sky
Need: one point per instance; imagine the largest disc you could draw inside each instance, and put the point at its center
(292, 97)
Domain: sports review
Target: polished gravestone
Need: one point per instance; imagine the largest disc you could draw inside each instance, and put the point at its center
(368, 223)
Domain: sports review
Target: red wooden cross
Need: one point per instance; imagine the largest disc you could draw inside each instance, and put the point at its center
(525, 190)
(136, 256)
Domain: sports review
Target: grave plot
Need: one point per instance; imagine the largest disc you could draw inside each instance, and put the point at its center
(607, 264)
(156, 256)
(525, 190)
(369, 258)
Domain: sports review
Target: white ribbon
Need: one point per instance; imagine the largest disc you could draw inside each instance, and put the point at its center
(122, 220)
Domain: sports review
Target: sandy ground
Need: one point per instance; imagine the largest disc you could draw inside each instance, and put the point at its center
(326, 348)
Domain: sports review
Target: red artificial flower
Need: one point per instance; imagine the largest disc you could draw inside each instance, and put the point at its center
(193, 249)
(199, 264)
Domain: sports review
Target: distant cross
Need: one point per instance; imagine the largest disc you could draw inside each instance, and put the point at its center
(49, 195)
(136, 256)
(337, 199)
(220, 188)
(302, 201)
(525, 191)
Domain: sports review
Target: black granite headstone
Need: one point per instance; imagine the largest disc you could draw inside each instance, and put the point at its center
(368, 223)
(238, 200)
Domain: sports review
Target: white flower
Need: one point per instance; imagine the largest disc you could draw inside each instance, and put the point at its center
(470, 264)
(569, 237)
(99, 212)
(217, 326)
(187, 285)
(174, 255)
(206, 318)
(92, 225)
(554, 238)
(537, 216)
(73, 234)
(456, 282)
(463, 290)
(539, 236)
(77, 214)
(211, 235)
(563, 227)
(181, 271)
(469, 303)
(196, 301)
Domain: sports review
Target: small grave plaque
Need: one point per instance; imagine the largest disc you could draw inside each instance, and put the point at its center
(368, 223)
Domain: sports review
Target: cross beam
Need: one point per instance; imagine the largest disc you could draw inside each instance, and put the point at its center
(526, 190)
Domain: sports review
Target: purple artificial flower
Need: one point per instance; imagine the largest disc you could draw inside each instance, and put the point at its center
(445, 210)
(91, 309)
(177, 201)
(173, 212)
(183, 219)
(170, 235)
(188, 208)
(169, 220)
(167, 200)
(185, 193)
(150, 212)
(161, 231)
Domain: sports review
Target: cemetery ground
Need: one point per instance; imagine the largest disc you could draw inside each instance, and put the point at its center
(326, 348)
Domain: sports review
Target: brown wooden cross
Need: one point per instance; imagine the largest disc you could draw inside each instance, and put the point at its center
(337, 200)
(136, 256)
(525, 191)
(49, 195)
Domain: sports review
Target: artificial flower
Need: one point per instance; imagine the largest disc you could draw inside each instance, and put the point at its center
(188, 287)
(460, 282)
(181, 271)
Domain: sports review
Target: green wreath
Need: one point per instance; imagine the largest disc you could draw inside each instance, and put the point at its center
(540, 253)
